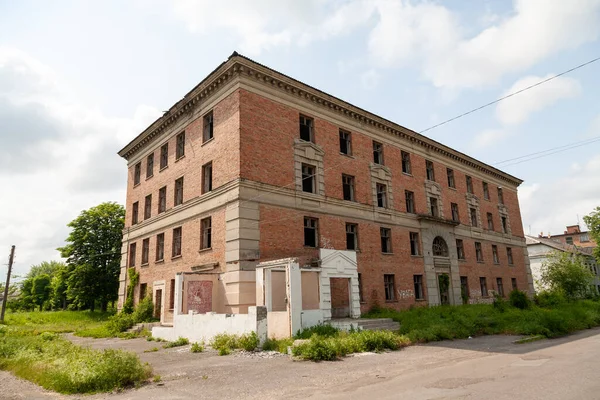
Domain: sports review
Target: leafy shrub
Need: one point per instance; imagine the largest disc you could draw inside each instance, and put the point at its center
(134, 278)
(144, 311)
(119, 323)
(248, 341)
(317, 349)
(280, 345)
(181, 341)
(500, 304)
(196, 348)
(48, 336)
(519, 299)
(152, 350)
(550, 298)
(224, 351)
(324, 330)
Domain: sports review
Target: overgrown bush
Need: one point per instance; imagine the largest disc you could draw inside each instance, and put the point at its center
(181, 341)
(144, 312)
(500, 304)
(323, 330)
(119, 323)
(196, 348)
(519, 299)
(280, 345)
(550, 298)
(248, 341)
(134, 278)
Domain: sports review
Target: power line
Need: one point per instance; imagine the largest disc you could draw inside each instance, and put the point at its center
(548, 154)
(563, 147)
(511, 94)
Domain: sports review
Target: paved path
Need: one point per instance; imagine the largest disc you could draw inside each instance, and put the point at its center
(483, 368)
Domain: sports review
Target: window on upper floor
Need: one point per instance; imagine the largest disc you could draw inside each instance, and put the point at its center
(433, 207)
(164, 156)
(132, 254)
(137, 173)
(162, 199)
(460, 249)
(430, 170)
(351, 236)
(584, 237)
(406, 167)
(478, 252)
(345, 142)
(206, 233)
(160, 247)
(439, 247)
(486, 191)
(504, 224)
(409, 197)
(454, 209)
(495, 254)
(177, 240)
(148, 207)
(569, 239)
(377, 153)
(509, 255)
(145, 250)
(382, 200)
(450, 173)
(307, 129)
(386, 240)
(490, 221)
(389, 287)
(178, 194)
(473, 215)
(311, 226)
(415, 244)
(469, 184)
(309, 178)
(150, 166)
(207, 177)
(500, 196)
(180, 149)
(348, 187)
(207, 127)
(135, 209)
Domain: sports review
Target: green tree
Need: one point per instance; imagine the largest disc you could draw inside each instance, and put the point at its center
(593, 223)
(59, 285)
(45, 267)
(93, 251)
(40, 290)
(566, 272)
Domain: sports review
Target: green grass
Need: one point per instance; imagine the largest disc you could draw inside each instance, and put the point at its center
(459, 322)
(280, 345)
(31, 348)
(224, 342)
(196, 348)
(177, 343)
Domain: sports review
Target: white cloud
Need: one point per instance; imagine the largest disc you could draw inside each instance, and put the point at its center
(370, 79)
(517, 109)
(431, 36)
(489, 137)
(552, 206)
(57, 157)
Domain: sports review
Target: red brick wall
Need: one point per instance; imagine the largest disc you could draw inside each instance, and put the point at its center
(222, 150)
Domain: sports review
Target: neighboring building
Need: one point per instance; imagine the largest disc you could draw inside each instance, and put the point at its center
(540, 248)
(252, 166)
(574, 236)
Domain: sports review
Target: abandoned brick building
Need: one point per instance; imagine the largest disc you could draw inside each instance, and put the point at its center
(253, 165)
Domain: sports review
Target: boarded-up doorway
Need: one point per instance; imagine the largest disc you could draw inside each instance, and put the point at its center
(340, 297)
(199, 296)
(158, 303)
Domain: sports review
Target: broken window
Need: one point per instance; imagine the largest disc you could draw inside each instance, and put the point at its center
(478, 252)
(450, 173)
(148, 207)
(500, 286)
(137, 173)
(473, 213)
(134, 213)
(132, 254)
(418, 281)
(381, 195)
(172, 295)
(430, 171)
(495, 254)
(433, 207)
(207, 177)
(150, 166)
(410, 201)
(145, 251)
(406, 167)
(207, 130)
(490, 221)
(160, 247)
(345, 142)
(308, 178)
(439, 247)
(483, 284)
(206, 233)
(180, 149)
(460, 249)
(178, 199)
(514, 283)
(500, 196)
(386, 240)
(306, 129)
(504, 225)
(469, 184)
(464, 289)
(351, 236)
(162, 199)
(348, 187)
(164, 156)
(509, 255)
(388, 283)
(454, 209)
(176, 251)
(414, 244)
(310, 232)
(486, 191)
(377, 153)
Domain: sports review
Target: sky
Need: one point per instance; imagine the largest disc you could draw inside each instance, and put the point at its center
(80, 79)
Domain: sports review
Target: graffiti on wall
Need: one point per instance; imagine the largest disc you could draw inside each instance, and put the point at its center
(199, 296)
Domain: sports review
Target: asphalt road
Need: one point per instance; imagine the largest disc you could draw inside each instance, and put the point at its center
(482, 368)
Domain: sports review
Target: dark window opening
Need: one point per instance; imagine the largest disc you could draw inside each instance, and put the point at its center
(310, 232)
(418, 281)
(439, 247)
(208, 127)
(381, 195)
(306, 129)
(145, 251)
(414, 244)
(178, 199)
(469, 184)
(132, 254)
(509, 255)
(386, 240)
(514, 283)
(351, 237)
(433, 207)
(460, 249)
(478, 252)
(345, 143)
(450, 174)
(180, 149)
(177, 233)
(164, 156)
(500, 196)
(160, 247)
(206, 233)
(483, 284)
(148, 207)
(172, 295)
(495, 254)
(406, 167)
(308, 178)
(410, 201)
(137, 173)
(135, 213)
(388, 283)
(504, 225)
(464, 289)
(360, 288)
(377, 153)
(207, 177)
(490, 221)
(454, 209)
(430, 170)
(348, 187)
(500, 286)
(150, 166)
(162, 199)
(486, 191)
(473, 213)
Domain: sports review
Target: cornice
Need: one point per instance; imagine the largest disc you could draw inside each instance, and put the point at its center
(242, 67)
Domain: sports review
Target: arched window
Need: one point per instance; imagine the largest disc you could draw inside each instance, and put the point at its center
(440, 248)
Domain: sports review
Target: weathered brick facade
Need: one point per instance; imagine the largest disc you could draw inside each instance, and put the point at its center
(257, 203)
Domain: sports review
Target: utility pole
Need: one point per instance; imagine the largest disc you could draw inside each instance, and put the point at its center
(5, 299)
